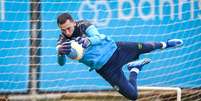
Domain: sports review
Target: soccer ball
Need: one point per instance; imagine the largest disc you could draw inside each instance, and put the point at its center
(77, 51)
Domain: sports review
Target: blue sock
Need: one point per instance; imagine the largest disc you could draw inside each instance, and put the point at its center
(133, 78)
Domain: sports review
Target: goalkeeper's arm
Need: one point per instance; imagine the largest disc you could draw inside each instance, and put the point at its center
(61, 59)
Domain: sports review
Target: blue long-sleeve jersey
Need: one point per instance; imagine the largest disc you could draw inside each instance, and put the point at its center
(100, 50)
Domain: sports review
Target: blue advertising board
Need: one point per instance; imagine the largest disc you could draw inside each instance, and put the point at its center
(14, 46)
(122, 20)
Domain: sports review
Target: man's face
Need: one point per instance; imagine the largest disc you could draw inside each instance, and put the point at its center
(67, 28)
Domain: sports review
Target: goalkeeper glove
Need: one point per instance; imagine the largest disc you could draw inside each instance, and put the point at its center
(84, 41)
(64, 48)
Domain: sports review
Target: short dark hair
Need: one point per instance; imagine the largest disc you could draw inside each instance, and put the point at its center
(61, 19)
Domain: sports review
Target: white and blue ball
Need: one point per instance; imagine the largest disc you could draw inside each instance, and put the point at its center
(77, 51)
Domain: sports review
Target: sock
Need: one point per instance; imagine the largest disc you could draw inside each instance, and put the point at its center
(133, 78)
(136, 70)
(164, 45)
(158, 45)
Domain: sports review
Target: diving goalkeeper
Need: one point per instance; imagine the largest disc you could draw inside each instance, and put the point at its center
(106, 56)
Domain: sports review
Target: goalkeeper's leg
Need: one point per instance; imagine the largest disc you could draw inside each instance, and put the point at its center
(120, 83)
(117, 79)
(139, 47)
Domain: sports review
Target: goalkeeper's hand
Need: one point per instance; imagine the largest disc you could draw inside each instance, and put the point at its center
(64, 48)
(84, 41)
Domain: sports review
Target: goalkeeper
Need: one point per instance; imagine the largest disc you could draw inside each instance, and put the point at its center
(106, 56)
